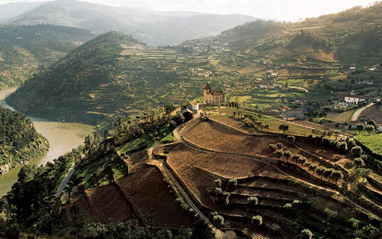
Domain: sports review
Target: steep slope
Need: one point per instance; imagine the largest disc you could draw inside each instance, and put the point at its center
(25, 49)
(154, 28)
(19, 141)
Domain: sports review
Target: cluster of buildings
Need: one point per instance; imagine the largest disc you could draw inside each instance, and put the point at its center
(210, 97)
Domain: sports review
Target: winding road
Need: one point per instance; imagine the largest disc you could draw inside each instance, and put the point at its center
(359, 111)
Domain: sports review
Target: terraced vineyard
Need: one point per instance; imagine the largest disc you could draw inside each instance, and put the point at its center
(142, 196)
(290, 195)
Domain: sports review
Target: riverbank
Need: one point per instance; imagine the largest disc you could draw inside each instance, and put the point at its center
(63, 137)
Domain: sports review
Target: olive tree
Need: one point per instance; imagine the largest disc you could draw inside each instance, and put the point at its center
(359, 163)
(306, 234)
(369, 128)
(284, 127)
(252, 201)
(257, 220)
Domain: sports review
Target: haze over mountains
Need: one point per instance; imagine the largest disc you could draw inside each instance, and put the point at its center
(151, 27)
(11, 10)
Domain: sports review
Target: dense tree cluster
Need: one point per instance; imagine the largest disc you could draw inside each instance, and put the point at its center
(19, 141)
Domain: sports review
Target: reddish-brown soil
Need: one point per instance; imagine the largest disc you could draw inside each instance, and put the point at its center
(108, 203)
(82, 203)
(213, 136)
(223, 165)
(151, 196)
(104, 203)
(234, 123)
(137, 160)
(275, 183)
(148, 194)
(216, 137)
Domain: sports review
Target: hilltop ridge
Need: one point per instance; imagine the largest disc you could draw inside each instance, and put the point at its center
(151, 27)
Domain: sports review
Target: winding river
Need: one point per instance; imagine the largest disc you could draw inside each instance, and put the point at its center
(63, 137)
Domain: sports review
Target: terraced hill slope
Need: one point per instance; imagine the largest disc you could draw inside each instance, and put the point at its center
(226, 169)
(26, 49)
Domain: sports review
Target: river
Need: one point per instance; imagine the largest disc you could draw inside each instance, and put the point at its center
(63, 137)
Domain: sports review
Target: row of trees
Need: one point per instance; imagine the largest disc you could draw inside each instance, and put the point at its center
(298, 159)
(369, 128)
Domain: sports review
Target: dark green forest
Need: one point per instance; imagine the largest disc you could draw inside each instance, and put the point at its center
(19, 141)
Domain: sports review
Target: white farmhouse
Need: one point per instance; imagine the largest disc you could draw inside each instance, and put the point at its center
(353, 99)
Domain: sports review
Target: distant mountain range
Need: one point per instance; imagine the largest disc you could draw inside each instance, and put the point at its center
(11, 10)
(151, 27)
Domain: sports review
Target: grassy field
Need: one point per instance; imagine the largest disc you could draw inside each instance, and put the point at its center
(274, 123)
(135, 144)
(293, 128)
(165, 135)
(372, 141)
(101, 172)
(340, 118)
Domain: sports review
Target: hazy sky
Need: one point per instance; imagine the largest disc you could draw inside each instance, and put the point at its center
(286, 10)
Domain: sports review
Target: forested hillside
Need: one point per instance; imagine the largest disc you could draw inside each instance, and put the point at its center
(67, 84)
(26, 49)
(19, 141)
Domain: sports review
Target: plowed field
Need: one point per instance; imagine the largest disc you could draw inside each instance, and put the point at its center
(151, 197)
(107, 202)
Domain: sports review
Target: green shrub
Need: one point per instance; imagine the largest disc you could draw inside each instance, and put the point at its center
(272, 147)
(218, 191)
